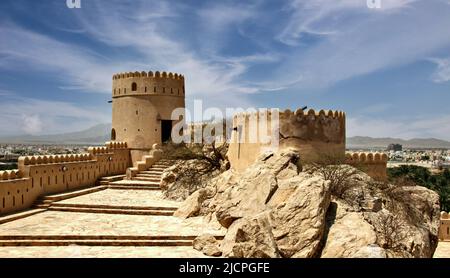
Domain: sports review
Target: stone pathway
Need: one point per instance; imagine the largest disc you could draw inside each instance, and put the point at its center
(119, 218)
(443, 250)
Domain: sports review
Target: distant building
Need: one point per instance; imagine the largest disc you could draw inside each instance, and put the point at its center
(395, 147)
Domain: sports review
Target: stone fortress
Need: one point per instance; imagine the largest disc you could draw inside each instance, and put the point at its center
(142, 103)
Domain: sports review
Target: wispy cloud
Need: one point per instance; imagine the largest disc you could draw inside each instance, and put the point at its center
(442, 73)
(33, 116)
(79, 67)
(363, 40)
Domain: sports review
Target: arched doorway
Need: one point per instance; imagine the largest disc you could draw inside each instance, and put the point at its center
(113, 134)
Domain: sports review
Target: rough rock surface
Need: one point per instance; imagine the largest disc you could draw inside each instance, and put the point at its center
(208, 245)
(191, 206)
(299, 222)
(250, 238)
(274, 209)
(349, 236)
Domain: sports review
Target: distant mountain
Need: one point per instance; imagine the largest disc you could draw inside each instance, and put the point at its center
(101, 133)
(362, 142)
(97, 134)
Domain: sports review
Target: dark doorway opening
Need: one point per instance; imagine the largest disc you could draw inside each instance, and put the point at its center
(166, 130)
(113, 134)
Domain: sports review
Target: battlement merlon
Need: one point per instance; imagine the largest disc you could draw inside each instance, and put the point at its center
(149, 74)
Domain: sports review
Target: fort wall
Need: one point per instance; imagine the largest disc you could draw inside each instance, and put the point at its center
(374, 164)
(311, 133)
(444, 229)
(41, 175)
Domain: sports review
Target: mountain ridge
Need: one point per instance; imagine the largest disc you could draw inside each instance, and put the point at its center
(100, 133)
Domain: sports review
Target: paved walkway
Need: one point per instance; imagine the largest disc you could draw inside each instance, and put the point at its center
(443, 250)
(130, 220)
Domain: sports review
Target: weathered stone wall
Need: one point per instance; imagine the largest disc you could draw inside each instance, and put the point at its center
(311, 133)
(444, 230)
(374, 164)
(41, 175)
(141, 101)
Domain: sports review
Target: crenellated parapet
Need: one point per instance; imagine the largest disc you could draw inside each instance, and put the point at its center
(444, 228)
(148, 83)
(54, 159)
(362, 157)
(10, 175)
(321, 126)
(374, 164)
(150, 74)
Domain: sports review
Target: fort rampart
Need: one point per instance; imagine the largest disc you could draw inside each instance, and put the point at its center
(311, 133)
(374, 164)
(444, 230)
(41, 175)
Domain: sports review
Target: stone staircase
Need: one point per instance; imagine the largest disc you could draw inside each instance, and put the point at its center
(153, 174)
(148, 179)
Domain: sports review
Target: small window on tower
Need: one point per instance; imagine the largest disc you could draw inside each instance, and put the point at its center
(134, 87)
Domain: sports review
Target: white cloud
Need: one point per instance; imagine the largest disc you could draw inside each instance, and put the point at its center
(34, 116)
(442, 73)
(83, 69)
(32, 124)
(364, 41)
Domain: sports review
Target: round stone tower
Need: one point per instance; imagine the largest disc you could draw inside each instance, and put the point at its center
(142, 106)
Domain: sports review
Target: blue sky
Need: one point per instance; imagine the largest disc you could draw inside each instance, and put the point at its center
(388, 68)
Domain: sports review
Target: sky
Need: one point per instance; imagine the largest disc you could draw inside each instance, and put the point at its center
(388, 67)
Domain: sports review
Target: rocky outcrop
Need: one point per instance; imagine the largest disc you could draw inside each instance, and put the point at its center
(208, 245)
(299, 222)
(251, 238)
(274, 209)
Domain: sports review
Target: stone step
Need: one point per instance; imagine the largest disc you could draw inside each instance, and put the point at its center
(150, 173)
(98, 240)
(30, 243)
(157, 169)
(135, 182)
(20, 215)
(101, 237)
(113, 178)
(42, 206)
(131, 187)
(149, 179)
(112, 211)
(113, 207)
(158, 178)
(71, 194)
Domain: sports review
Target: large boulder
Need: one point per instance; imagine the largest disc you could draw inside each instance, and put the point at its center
(192, 205)
(254, 189)
(350, 235)
(208, 245)
(299, 222)
(250, 238)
